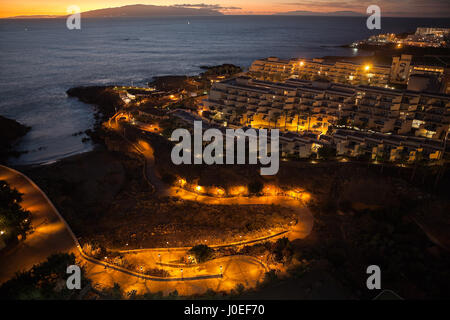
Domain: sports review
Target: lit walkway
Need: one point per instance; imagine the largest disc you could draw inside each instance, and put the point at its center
(50, 233)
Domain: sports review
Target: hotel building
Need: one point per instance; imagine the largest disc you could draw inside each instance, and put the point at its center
(378, 146)
(300, 105)
(406, 66)
(274, 69)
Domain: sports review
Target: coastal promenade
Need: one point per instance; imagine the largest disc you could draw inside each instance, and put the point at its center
(50, 233)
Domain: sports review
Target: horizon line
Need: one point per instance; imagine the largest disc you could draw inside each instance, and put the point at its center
(319, 14)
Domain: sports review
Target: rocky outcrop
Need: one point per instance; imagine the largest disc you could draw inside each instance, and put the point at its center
(10, 132)
(106, 99)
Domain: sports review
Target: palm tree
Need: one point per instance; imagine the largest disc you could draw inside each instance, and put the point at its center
(308, 113)
(298, 111)
(285, 119)
(417, 160)
(274, 118)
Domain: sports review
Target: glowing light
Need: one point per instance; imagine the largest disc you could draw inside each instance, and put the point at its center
(302, 63)
(306, 196)
(238, 191)
(271, 190)
(367, 68)
(218, 191)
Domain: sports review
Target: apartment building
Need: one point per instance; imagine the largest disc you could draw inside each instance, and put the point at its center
(273, 69)
(302, 145)
(296, 105)
(300, 105)
(378, 146)
(405, 66)
(343, 72)
(432, 31)
(428, 37)
(347, 73)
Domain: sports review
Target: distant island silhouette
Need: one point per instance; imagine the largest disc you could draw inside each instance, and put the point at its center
(136, 11)
(326, 14)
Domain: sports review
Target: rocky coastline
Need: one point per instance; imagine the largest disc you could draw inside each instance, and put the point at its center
(10, 132)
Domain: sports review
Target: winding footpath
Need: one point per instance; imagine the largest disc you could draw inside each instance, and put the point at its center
(52, 234)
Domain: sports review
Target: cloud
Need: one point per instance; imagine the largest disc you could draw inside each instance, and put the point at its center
(206, 6)
(335, 4)
(398, 7)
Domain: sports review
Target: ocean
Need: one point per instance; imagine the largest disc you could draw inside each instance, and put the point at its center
(41, 59)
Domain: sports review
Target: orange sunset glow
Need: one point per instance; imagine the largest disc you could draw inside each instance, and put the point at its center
(12, 8)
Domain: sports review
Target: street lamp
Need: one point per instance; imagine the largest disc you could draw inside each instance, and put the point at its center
(221, 274)
(181, 273)
(159, 256)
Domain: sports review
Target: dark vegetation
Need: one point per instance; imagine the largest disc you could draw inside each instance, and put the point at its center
(221, 70)
(193, 83)
(168, 83)
(45, 281)
(14, 220)
(202, 253)
(83, 186)
(255, 187)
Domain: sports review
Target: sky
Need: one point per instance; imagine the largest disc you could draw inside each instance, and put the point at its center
(411, 8)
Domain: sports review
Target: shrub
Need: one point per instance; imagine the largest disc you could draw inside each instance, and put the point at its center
(282, 250)
(202, 253)
(43, 281)
(326, 152)
(14, 220)
(168, 178)
(255, 187)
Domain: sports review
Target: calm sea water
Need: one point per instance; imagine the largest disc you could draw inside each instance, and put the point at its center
(41, 59)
